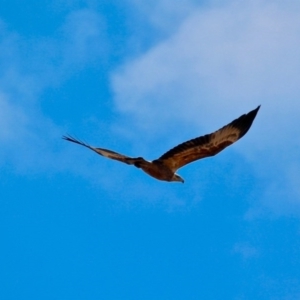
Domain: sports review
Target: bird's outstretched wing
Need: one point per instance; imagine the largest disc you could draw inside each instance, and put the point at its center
(208, 145)
(107, 153)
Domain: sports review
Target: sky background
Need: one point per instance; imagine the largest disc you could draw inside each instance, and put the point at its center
(139, 77)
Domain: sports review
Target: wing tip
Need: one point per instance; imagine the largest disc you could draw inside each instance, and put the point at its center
(66, 137)
(70, 138)
(254, 112)
(257, 108)
(244, 122)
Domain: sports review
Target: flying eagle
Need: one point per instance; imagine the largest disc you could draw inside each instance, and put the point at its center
(164, 168)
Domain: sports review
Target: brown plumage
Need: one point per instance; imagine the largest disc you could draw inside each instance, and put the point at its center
(164, 168)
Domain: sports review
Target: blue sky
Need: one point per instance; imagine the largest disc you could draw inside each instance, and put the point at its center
(140, 77)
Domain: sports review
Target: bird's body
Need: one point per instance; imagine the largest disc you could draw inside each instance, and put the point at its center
(164, 167)
(158, 170)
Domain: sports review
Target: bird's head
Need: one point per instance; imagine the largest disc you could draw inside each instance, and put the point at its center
(176, 177)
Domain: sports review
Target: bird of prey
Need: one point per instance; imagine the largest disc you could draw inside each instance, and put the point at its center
(164, 167)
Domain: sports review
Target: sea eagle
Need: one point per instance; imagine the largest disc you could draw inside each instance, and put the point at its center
(164, 168)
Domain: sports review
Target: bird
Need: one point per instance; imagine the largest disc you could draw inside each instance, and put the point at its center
(164, 168)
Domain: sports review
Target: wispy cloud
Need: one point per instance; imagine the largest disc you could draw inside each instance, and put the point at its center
(85, 37)
(245, 250)
(165, 16)
(28, 68)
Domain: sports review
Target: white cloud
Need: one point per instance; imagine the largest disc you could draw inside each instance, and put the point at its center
(221, 62)
(219, 57)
